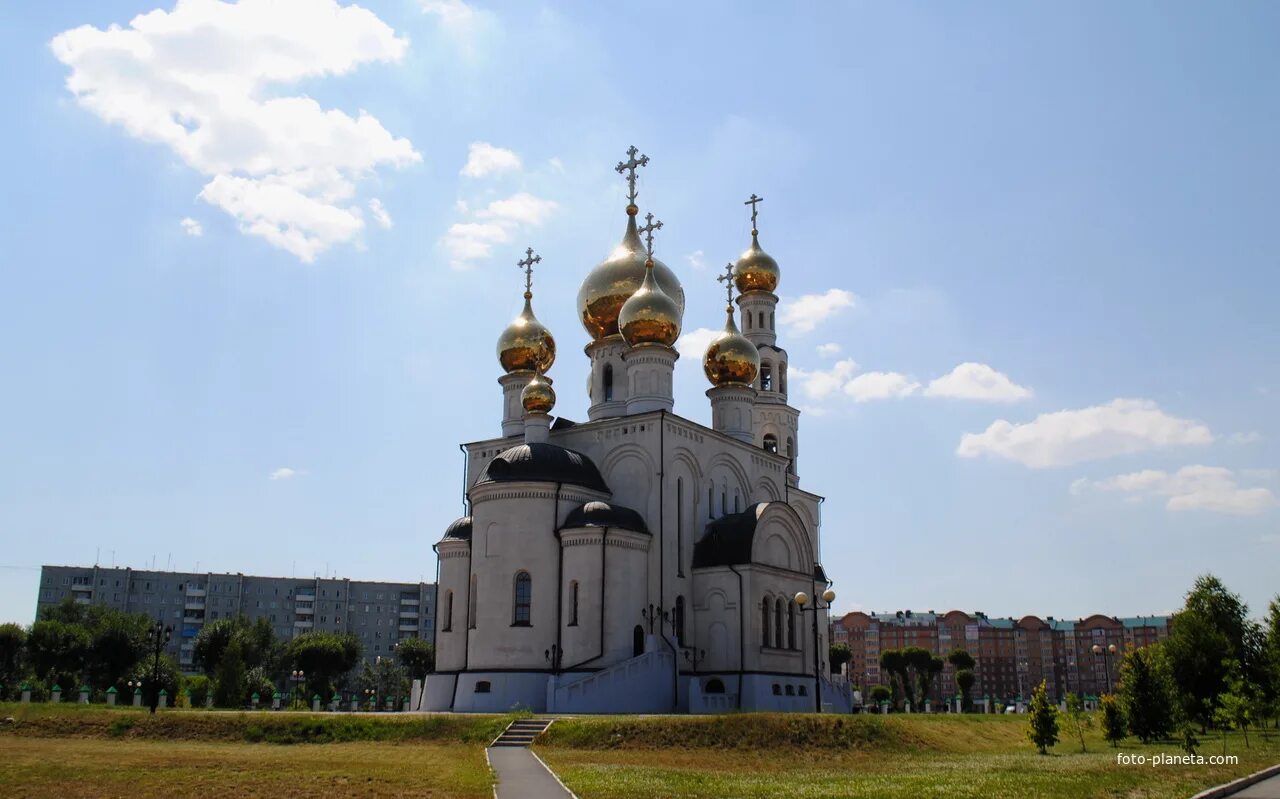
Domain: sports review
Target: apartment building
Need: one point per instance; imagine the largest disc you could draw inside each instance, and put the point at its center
(1013, 655)
(381, 614)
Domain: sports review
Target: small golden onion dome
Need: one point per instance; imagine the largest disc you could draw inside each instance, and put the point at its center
(755, 269)
(526, 345)
(538, 396)
(731, 359)
(649, 316)
(616, 278)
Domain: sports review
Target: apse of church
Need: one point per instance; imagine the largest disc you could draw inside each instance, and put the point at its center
(638, 561)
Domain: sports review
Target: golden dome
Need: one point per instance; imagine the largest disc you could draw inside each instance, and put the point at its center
(649, 316)
(755, 270)
(526, 345)
(538, 396)
(616, 278)
(731, 359)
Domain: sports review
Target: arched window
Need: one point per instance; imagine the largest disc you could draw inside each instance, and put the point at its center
(777, 689)
(680, 620)
(791, 451)
(766, 377)
(791, 690)
(679, 527)
(791, 624)
(608, 382)
(471, 605)
(771, 443)
(803, 691)
(711, 501)
(765, 607)
(782, 377)
(747, 317)
(448, 613)
(771, 320)
(724, 499)
(573, 604)
(522, 595)
(482, 687)
(737, 498)
(713, 686)
(760, 319)
(777, 623)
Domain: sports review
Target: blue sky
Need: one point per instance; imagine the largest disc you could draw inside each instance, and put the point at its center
(1065, 216)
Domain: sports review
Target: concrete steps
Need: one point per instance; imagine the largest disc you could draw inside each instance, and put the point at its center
(522, 732)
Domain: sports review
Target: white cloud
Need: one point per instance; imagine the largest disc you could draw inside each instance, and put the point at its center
(976, 381)
(1250, 437)
(380, 214)
(556, 164)
(880, 385)
(802, 314)
(692, 344)
(828, 350)
(483, 160)
(1120, 427)
(822, 383)
(206, 81)
(471, 241)
(1205, 488)
(284, 473)
(454, 14)
(191, 227)
(695, 259)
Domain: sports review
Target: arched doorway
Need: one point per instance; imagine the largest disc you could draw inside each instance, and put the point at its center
(637, 641)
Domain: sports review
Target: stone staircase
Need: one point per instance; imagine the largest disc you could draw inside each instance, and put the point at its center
(522, 732)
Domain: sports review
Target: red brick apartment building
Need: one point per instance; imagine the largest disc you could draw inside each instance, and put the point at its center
(1013, 655)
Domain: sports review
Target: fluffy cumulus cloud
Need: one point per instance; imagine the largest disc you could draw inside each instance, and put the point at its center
(976, 381)
(880, 385)
(191, 227)
(696, 259)
(803, 314)
(820, 384)
(209, 80)
(284, 473)
(828, 350)
(380, 215)
(483, 160)
(473, 240)
(1120, 427)
(1191, 488)
(692, 344)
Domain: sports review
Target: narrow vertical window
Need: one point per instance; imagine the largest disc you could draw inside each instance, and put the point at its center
(791, 624)
(573, 604)
(766, 606)
(471, 605)
(782, 377)
(724, 500)
(448, 613)
(771, 443)
(711, 501)
(737, 498)
(777, 623)
(680, 620)
(608, 382)
(679, 527)
(791, 455)
(766, 378)
(523, 594)
(760, 317)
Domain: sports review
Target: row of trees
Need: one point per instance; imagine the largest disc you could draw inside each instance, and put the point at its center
(1218, 669)
(914, 667)
(73, 644)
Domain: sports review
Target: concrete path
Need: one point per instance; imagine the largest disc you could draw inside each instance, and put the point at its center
(1267, 789)
(521, 775)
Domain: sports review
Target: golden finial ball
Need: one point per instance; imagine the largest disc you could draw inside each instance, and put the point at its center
(538, 396)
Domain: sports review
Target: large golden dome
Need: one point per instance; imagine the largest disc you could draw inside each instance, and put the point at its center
(649, 316)
(538, 396)
(731, 359)
(526, 345)
(616, 278)
(755, 269)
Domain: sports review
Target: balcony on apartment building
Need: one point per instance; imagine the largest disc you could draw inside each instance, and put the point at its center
(410, 600)
(303, 624)
(305, 609)
(408, 628)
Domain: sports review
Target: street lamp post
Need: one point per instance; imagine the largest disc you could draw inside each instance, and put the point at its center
(298, 676)
(1106, 653)
(802, 599)
(159, 635)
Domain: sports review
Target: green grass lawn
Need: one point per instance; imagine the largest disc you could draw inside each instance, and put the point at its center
(866, 756)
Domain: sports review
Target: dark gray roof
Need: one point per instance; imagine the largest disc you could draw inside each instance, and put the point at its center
(459, 529)
(727, 540)
(819, 573)
(602, 514)
(543, 463)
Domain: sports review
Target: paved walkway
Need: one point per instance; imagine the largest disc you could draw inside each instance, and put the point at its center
(522, 776)
(1267, 789)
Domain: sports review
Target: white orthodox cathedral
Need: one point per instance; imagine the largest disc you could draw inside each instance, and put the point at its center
(638, 562)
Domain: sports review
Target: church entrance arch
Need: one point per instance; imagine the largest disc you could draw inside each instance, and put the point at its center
(637, 641)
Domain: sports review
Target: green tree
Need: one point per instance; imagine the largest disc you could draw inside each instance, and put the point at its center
(918, 661)
(259, 646)
(1269, 685)
(894, 663)
(963, 663)
(964, 681)
(1113, 720)
(880, 693)
(839, 655)
(58, 651)
(1043, 720)
(13, 643)
(200, 687)
(325, 657)
(1147, 693)
(418, 657)
(386, 677)
(169, 679)
(229, 689)
(1235, 704)
(1078, 718)
(118, 642)
(1212, 628)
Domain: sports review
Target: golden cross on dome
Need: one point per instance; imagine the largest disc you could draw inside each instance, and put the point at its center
(527, 265)
(727, 280)
(646, 230)
(629, 166)
(752, 202)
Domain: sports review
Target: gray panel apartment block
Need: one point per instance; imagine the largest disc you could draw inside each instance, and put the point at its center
(381, 614)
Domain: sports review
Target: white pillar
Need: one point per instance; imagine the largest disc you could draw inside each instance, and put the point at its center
(537, 428)
(731, 408)
(512, 384)
(650, 369)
